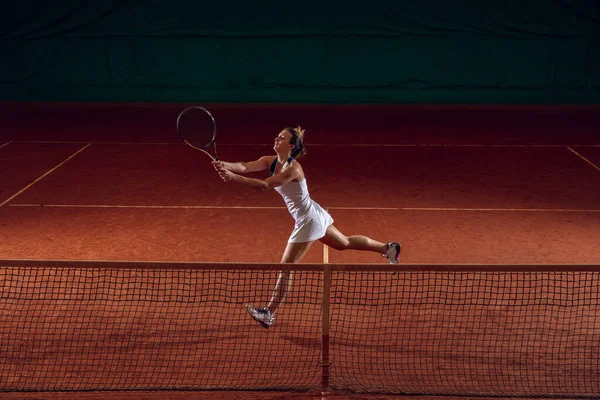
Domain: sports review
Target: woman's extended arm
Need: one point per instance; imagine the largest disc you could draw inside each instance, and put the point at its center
(245, 167)
(276, 180)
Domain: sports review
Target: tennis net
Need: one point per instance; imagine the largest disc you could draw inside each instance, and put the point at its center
(470, 330)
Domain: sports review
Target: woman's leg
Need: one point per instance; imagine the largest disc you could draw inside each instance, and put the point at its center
(265, 315)
(337, 240)
(293, 254)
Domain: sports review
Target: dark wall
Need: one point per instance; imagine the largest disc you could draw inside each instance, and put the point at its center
(459, 51)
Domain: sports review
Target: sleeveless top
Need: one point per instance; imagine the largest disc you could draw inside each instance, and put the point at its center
(311, 219)
(295, 194)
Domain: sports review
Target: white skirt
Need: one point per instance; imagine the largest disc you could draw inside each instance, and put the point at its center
(312, 227)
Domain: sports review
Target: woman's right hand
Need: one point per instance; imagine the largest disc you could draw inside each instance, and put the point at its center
(224, 173)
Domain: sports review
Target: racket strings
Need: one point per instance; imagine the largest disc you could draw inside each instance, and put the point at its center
(197, 127)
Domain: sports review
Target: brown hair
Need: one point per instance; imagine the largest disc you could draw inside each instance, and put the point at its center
(297, 140)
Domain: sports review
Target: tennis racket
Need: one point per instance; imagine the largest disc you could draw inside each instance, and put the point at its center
(198, 129)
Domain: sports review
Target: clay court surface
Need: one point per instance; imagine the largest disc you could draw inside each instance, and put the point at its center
(479, 185)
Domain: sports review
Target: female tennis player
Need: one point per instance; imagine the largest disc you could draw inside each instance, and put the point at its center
(312, 221)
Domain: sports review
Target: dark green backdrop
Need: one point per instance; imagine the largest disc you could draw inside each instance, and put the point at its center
(420, 51)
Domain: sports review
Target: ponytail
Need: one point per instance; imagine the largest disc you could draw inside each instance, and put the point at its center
(298, 141)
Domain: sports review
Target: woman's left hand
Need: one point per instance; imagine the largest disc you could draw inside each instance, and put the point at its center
(226, 175)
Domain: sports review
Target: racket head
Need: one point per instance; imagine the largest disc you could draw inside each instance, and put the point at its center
(197, 127)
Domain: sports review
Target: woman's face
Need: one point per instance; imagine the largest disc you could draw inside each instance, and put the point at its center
(282, 142)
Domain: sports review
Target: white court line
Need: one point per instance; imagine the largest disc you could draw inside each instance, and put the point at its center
(191, 207)
(584, 159)
(83, 142)
(468, 209)
(5, 144)
(325, 144)
(44, 175)
(325, 250)
(449, 145)
(148, 206)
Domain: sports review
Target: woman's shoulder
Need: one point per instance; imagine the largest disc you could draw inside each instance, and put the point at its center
(294, 163)
(299, 171)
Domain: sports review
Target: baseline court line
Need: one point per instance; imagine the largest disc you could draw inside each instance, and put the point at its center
(326, 144)
(200, 207)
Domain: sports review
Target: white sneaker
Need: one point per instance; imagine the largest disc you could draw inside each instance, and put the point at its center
(262, 315)
(393, 252)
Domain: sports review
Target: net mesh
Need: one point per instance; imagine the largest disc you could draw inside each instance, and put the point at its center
(463, 333)
(452, 332)
(151, 329)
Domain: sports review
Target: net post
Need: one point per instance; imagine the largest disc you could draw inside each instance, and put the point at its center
(325, 304)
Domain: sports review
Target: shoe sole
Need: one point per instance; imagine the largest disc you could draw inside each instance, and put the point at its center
(398, 249)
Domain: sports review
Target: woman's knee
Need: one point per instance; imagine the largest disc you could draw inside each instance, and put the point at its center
(335, 239)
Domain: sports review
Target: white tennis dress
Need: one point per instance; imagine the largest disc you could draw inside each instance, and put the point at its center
(311, 219)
